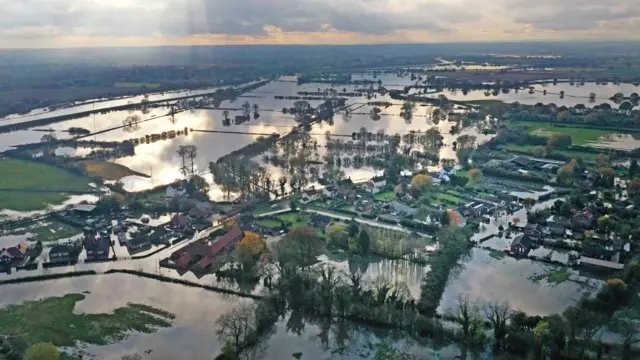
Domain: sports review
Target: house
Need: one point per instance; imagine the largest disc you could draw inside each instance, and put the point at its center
(330, 191)
(521, 245)
(365, 206)
(97, 247)
(201, 255)
(380, 182)
(478, 209)
(201, 212)
(139, 242)
(84, 209)
(583, 220)
(13, 254)
(310, 196)
(401, 208)
(160, 235)
(533, 230)
(522, 161)
(180, 222)
(602, 258)
(370, 187)
(62, 252)
(320, 221)
(554, 229)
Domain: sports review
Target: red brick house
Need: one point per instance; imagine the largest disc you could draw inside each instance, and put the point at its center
(521, 245)
(201, 255)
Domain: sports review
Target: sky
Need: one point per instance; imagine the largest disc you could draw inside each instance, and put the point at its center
(84, 23)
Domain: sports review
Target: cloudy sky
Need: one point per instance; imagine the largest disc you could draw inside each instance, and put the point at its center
(79, 23)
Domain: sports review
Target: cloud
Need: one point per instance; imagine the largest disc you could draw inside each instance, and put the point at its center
(282, 20)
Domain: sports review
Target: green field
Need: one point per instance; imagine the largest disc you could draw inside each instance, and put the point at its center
(558, 277)
(50, 231)
(136, 85)
(448, 198)
(291, 217)
(54, 320)
(579, 136)
(497, 254)
(385, 196)
(21, 174)
(269, 223)
(568, 153)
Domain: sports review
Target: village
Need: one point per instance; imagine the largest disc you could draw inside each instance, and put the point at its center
(582, 227)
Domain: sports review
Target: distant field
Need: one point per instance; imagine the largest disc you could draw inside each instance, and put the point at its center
(579, 136)
(20, 174)
(136, 85)
(569, 153)
(108, 171)
(50, 231)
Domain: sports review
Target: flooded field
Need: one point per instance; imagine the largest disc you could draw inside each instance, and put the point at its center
(522, 282)
(161, 161)
(193, 333)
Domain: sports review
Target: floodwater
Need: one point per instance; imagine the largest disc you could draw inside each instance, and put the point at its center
(161, 161)
(485, 279)
(98, 104)
(193, 334)
(394, 271)
(573, 94)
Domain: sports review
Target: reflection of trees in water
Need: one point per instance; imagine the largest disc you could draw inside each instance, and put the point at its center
(131, 123)
(241, 175)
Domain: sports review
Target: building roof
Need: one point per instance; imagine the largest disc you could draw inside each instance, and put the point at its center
(225, 240)
(522, 161)
(180, 220)
(320, 219)
(532, 226)
(601, 263)
(139, 240)
(402, 207)
(14, 252)
(84, 208)
(522, 240)
(62, 248)
(93, 243)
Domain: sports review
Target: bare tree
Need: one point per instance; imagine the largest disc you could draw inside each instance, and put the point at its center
(246, 109)
(237, 326)
(256, 111)
(498, 315)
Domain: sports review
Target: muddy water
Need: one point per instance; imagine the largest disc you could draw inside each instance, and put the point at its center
(193, 334)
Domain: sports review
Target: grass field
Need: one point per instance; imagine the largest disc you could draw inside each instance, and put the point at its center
(21, 174)
(53, 320)
(497, 254)
(448, 198)
(107, 171)
(579, 136)
(291, 217)
(50, 231)
(136, 85)
(569, 153)
(558, 277)
(269, 223)
(385, 196)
